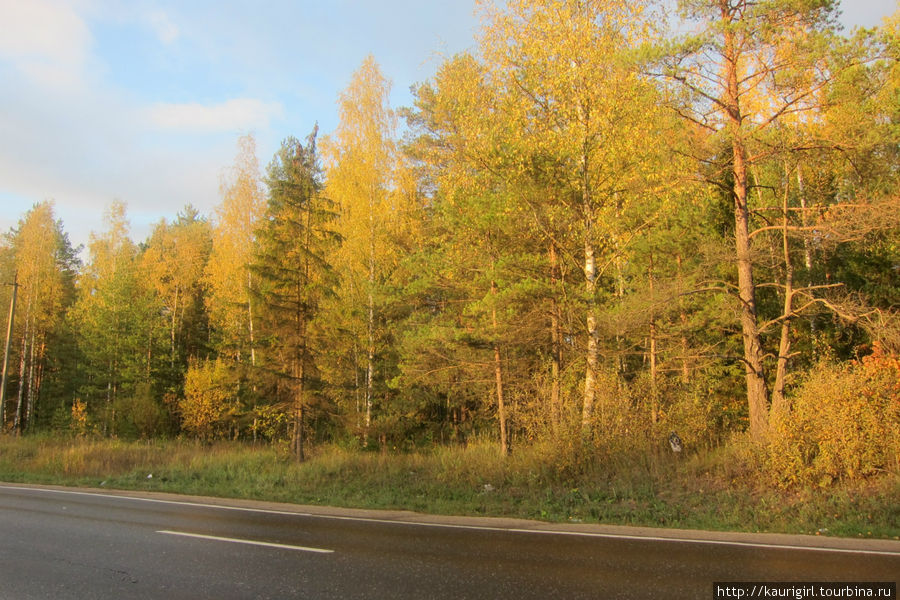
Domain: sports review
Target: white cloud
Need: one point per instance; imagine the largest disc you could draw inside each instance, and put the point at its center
(46, 40)
(166, 31)
(238, 114)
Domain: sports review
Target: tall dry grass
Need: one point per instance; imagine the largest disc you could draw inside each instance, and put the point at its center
(720, 488)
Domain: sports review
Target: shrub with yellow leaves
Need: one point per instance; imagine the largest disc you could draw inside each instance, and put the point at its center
(79, 421)
(209, 397)
(844, 424)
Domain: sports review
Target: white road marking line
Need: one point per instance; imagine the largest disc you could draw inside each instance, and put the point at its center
(616, 536)
(590, 534)
(159, 501)
(217, 538)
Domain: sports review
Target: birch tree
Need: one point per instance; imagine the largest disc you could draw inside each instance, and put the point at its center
(360, 166)
(173, 261)
(229, 282)
(44, 264)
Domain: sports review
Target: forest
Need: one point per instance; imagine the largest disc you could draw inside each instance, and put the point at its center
(587, 233)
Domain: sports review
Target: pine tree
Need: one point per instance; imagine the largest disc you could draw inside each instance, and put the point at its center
(754, 71)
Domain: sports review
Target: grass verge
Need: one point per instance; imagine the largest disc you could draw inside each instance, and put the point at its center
(715, 490)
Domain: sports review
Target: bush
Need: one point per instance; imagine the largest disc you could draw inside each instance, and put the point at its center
(844, 424)
(137, 415)
(210, 398)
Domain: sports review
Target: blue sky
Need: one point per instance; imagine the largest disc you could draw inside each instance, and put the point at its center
(143, 100)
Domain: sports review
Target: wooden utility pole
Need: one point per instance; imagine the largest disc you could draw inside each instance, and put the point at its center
(9, 330)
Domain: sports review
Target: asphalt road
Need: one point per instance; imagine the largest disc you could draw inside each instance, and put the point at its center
(58, 543)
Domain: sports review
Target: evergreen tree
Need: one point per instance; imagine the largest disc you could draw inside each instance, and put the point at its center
(292, 263)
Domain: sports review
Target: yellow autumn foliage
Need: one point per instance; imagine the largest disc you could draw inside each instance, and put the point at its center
(79, 424)
(209, 396)
(845, 424)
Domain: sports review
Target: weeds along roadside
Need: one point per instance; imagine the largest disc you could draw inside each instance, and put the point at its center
(710, 489)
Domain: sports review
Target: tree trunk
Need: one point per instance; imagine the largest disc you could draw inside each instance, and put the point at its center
(6, 352)
(757, 392)
(654, 387)
(683, 319)
(17, 425)
(501, 406)
(172, 333)
(370, 317)
(620, 297)
(356, 386)
(807, 251)
(112, 387)
(250, 320)
(370, 360)
(297, 441)
(29, 404)
(779, 403)
(590, 373)
(39, 378)
(107, 429)
(807, 247)
(498, 378)
(555, 342)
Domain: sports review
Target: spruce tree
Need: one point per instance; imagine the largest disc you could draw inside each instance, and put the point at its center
(291, 262)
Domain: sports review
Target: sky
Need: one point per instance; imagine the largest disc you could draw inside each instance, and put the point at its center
(143, 100)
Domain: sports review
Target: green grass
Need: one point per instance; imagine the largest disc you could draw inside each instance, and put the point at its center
(716, 490)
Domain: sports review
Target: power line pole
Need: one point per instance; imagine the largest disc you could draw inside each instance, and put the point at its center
(9, 330)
